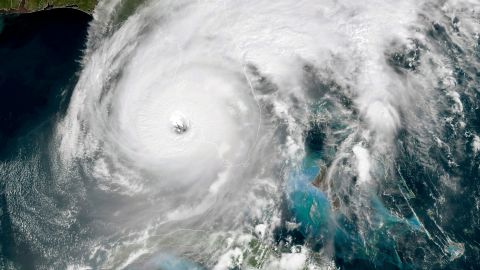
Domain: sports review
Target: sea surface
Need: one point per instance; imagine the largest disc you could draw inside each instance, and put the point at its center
(40, 59)
(223, 135)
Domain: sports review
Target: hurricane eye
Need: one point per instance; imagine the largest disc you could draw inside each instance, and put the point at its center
(179, 123)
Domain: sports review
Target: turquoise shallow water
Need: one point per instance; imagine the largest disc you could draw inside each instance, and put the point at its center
(414, 219)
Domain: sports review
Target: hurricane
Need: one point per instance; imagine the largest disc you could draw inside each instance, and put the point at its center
(311, 134)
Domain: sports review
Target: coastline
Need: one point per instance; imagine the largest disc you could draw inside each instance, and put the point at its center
(25, 6)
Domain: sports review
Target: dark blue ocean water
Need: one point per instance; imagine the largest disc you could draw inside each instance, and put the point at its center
(40, 56)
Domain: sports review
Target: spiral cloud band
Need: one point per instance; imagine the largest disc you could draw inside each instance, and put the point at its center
(199, 126)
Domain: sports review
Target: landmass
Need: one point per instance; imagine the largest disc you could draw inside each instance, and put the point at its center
(23, 6)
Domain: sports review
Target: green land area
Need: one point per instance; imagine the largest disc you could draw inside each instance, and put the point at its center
(13, 6)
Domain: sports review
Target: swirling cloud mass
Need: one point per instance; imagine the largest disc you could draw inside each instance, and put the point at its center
(273, 135)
